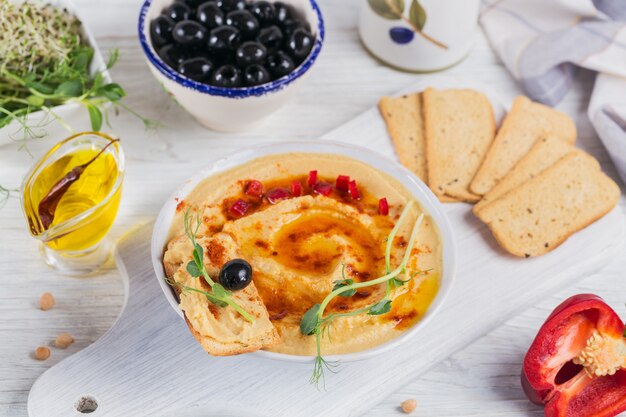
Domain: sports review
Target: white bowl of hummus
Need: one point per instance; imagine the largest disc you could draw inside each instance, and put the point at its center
(315, 215)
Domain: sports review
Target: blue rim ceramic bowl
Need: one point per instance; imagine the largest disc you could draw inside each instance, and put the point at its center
(229, 109)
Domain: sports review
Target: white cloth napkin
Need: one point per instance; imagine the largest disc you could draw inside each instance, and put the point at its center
(543, 41)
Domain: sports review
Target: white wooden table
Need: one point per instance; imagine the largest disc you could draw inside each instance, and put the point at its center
(480, 380)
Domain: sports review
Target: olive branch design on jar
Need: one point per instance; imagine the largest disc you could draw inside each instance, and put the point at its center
(394, 10)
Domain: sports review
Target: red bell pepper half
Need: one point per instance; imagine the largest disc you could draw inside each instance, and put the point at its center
(576, 365)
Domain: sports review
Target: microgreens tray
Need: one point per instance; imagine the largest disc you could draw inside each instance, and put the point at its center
(72, 113)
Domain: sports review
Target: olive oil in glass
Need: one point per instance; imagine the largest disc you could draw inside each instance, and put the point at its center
(71, 214)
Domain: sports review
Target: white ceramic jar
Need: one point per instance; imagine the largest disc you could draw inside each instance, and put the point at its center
(419, 35)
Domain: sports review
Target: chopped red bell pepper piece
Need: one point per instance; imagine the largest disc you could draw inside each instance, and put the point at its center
(342, 183)
(383, 207)
(354, 190)
(323, 188)
(276, 194)
(239, 208)
(576, 366)
(254, 188)
(312, 180)
(296, 188)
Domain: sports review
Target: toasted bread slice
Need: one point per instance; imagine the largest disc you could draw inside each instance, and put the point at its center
(526, 123)
(542, 213)
(221, 331)
(544, 153)
(403, 117)
(459, 127)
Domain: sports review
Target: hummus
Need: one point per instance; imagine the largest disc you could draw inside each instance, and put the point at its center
(299, 246)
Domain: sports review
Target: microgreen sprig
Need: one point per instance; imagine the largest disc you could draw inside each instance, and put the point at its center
(313, 321)
(219, 295)
(46, 63)
(5, 194)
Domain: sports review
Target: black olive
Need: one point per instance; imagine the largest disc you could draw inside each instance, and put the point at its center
(280, 64)
(300, 44)
(197, 69)
(177, 11)
(256, 75)
(224, 39)
(283, 11)
(210, 15)
(235, 275)
(263, 11)
(243, 20)
(250, 53)
(227, 76)
(189, 33)
(289, 26)
(193, 3)
(161, 31)
(271, 37)
(172, 55)
(230, 5)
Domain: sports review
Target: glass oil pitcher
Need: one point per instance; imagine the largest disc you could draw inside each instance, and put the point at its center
(70, 200)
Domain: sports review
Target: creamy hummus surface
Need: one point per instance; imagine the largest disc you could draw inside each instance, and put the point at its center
(299, 246)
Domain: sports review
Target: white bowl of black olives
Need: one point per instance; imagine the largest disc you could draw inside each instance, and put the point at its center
(230, 63)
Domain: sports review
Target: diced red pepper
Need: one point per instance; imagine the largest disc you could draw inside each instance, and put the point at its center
(576, 366)
(354, 190)
(342, 183)
(296, 188)
(239, 208)
(312, 180)
(323, 188)
(383, 207)
(276, 194)
(254, 188)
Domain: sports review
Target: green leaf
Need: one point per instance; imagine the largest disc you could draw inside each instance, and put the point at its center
(397, 282)
(216, 301)
(198, 254)
(193, 269)
(113, 57)
(95, 115)
(98, 80)
(382, 307)
(82, 60)
(344, 283)
(40, 87)
(71, 88)
(112, 91)
(220, 291)
(310, 322)
(417, 15)
(387, 9)
(35, 101)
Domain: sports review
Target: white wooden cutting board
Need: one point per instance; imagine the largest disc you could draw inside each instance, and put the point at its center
(149, 364)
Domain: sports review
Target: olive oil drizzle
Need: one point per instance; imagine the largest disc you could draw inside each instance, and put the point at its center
(314, 322)
(48, 205)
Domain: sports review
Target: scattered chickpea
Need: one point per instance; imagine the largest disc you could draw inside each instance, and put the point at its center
(46, 302)
(408, 406)
(42, 353)
(63, 340)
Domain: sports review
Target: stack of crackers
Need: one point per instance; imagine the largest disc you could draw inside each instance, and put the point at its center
(528, 182)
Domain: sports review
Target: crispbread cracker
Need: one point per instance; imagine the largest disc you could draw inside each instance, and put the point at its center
(544, 153)
(459, 127)
(522, 127)
(403, 117)
(226, 331)
(542, 213)
(447, 199)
